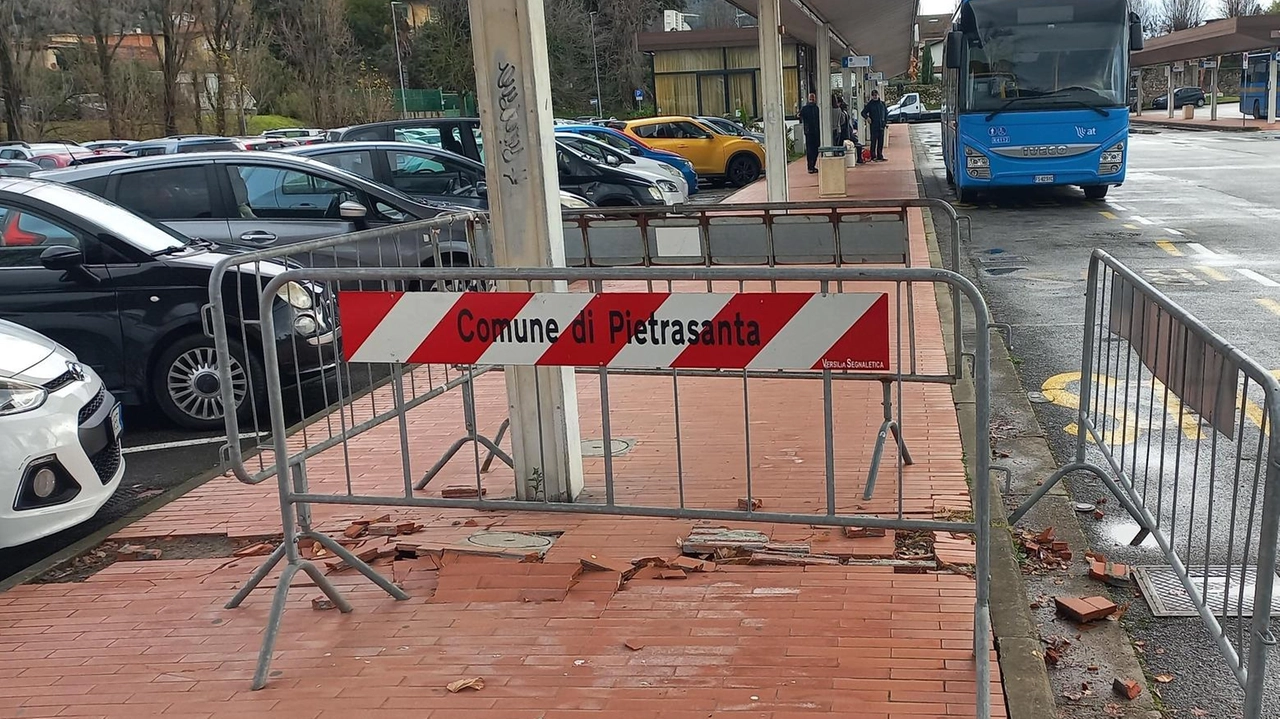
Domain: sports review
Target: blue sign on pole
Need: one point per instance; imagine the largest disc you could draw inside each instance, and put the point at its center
(639, 95)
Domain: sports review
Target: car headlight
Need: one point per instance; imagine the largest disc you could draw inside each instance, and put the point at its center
(672, 171)
(296, 295)
(305, 325)
(668, 186)
(573, 203)
(17, 396)
(654, 192)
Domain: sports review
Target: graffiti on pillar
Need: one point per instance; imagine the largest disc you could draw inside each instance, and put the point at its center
(509, 107)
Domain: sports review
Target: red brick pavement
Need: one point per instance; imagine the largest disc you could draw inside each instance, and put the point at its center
(143, 639)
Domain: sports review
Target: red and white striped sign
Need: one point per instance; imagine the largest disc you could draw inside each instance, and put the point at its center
(752, 330)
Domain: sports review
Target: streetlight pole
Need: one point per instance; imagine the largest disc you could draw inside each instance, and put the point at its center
(595, 58)
(395, 30)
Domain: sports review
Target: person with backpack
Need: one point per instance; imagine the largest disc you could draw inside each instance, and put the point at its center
(876, 114)
(811, 121)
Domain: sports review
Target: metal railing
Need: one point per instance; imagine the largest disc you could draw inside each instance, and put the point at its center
(1184, 423)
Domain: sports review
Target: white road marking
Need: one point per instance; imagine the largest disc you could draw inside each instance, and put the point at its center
(1118, 206)
(1172, 231)
(1260, 279)
(182, 443)
(1200, 249)
(1142, 220)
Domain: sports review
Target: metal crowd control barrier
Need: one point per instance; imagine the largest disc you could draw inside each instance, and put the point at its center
(1185, 425)
(297, 496)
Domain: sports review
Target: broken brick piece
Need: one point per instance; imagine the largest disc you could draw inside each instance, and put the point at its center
(634, 645)
(1065, 555)
(691, 564)
(753, 505)
(1045, 536)
(1085, 609)
(1099, 514)
(408, 527)
(594, 563)
(672, 574)
(1113, 573)
(147, 554)
(383, 529)
(462, 491)
(254, 550)
(322, 603)
(863, 532)
(1127, 688)
(355, 530)
(373, 520)
(1060, 546)
(1052, 656)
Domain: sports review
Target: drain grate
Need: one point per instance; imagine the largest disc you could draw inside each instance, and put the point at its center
(1167, 597)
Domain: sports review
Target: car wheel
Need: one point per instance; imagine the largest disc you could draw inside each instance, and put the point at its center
(743, 170)
(187, 388)
(1096, 192)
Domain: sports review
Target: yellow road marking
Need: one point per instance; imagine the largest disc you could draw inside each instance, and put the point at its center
(1169, 247)
(1108, 215)
(1213, 273)
(1270, 304)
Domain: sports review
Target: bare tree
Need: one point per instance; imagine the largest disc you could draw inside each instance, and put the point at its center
(172, 27)
(316, 41)
(1238, 8)
(1182, 14)
(226, 24)
(1149, 15)
(24, 27)
(103, 25)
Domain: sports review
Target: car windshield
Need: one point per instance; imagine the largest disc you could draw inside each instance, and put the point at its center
(1044, 54)
(137, 231)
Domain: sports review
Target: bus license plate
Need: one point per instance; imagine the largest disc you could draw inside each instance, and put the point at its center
(1044, 179)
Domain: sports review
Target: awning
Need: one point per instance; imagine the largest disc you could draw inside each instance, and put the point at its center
(880, 28)
(1228, 36)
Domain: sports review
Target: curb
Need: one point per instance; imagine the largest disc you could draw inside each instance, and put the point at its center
(1028, 693)
(1133, 121)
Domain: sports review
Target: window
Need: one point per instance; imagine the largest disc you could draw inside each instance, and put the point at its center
(570, 164)
(271, 192)
(12, 154)
(658, 130)
(424, 175)
(148, 151)
(367, 134)
(689, 130)
(172, 193)
(612, 140)
(359, 162)
(418, 135)
(590, 149)
(216, 146)
(23, 236)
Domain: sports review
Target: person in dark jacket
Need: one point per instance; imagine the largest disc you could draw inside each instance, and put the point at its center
(877, 116)
(811, 121)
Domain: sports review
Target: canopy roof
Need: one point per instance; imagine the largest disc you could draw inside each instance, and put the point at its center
(880, 28)
(1216, 37)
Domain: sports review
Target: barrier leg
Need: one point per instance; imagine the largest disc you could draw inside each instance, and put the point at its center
(1116, 491)
(256, 579)
(372, 574)
(327, 587)
(887, 427)
(273, 626)
(473, 435)
(497, 440)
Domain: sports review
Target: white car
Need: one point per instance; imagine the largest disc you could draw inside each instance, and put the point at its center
(60, 429)
(643, 166)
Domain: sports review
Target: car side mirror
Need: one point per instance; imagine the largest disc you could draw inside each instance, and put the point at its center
(1135, 32)
(637, 152)
(954, 41)
(482, 190)
(613, 160)
(352, 210)
(63, 258)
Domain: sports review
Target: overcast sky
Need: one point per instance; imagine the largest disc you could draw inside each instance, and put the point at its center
(937, 7)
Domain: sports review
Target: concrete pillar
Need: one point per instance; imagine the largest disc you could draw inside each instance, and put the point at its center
(850, 94)
(1271, 88)
(1168, 76)
(1139, 95)
(822, 70)
(513, 84)
(771, 102)
(1213, 89)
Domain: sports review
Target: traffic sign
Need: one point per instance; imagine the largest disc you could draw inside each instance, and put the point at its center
(856, 61)
(875, 77)
(639, 95)
(1208, 64)
(751, 330)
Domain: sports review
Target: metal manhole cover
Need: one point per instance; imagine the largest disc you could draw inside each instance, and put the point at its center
(515, 541)
(1168, 598)
(595, 447)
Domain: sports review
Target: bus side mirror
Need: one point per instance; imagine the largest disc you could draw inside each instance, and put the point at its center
(954, 42)
(1135, 32)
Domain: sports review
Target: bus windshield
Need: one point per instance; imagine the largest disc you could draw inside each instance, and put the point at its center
(1044, 54)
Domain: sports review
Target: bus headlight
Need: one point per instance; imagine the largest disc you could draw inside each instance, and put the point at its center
(975, 159)
(1112, 159)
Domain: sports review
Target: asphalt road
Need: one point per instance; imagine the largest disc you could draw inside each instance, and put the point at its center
(1196, 217)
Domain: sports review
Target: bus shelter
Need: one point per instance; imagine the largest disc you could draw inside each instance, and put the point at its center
(1211, 41)
(513, 92)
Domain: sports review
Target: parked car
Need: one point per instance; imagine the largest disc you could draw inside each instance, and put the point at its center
(910, 108)
(60, 431)
(303, 135)
(735, 160)
(265, 199)
(50, 155)
(183, 144)
(630, 145)
(422, 172)
(267, 143)
(1182, 96)
(124, 295)
(674, 188)
(728, 127)
(18, 168)
(459, 135)
(106, 144)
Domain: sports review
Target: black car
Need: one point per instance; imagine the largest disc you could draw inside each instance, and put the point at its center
(125, 295)
(1182, 96)
(434, 175)
(459, 135)
(269, 199)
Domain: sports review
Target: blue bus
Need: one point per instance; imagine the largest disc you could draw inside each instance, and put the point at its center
(1253, 90)
(1035, 92)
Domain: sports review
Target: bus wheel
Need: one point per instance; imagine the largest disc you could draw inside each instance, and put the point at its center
(966, 196)
(951, 179)
(1096, 192)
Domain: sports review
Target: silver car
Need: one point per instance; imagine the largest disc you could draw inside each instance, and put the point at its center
(266, 199)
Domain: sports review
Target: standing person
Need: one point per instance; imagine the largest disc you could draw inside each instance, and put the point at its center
(811, 122)
(877, 116)
(837, 123)
(846, 131)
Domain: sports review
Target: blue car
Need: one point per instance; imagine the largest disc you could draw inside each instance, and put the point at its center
(630, 145)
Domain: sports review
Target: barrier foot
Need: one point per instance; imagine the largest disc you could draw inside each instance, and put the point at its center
(1043, 489)
(258, 575)
(1130, 507)
(494, 451)
(326, 586)
(273, 626)
(369, 572)
(889, 426)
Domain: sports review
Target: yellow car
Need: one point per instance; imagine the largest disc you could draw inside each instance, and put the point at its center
(725, 158)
